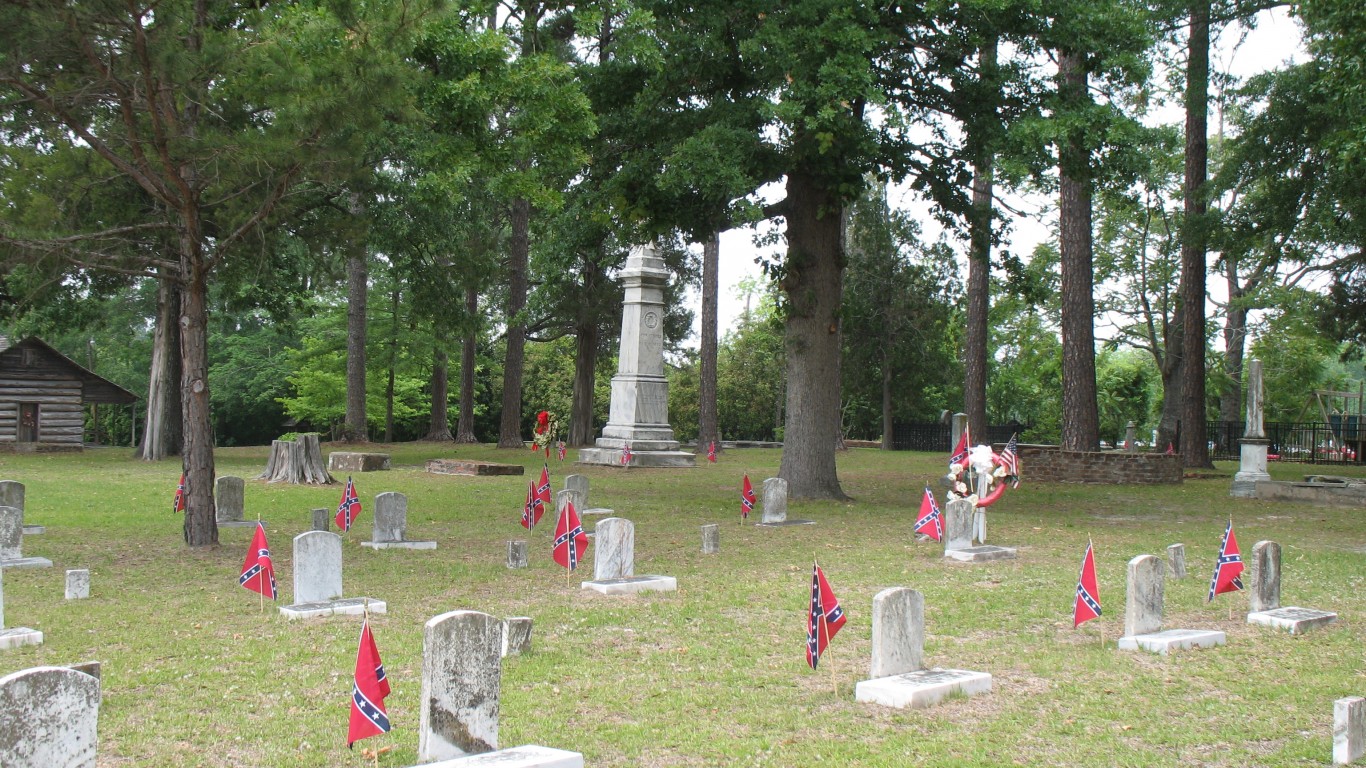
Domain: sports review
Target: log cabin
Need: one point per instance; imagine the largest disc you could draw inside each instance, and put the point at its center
(43, 395)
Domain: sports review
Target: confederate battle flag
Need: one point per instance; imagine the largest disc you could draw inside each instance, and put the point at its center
(570, 540)
(1087, 605)
(931, 521)
(960, 451)
(258, 571)
(543, 487)
(349, 508)
(532, 511)
(824, 619)
(711, 451)
(370, 687)
(178, 503)
(1229, 568)
(746, 499)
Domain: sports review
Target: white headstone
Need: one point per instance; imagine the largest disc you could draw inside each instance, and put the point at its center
(49, 718)
(317, 567)
(77, 584)
(1143, 599)
(614, 549)
(1264, 580)
(11, 494)
(898, 632)
(566, 495)
(461, 674)
(958, 524)
(391, 517)
(775, 500)
(1176, 561)
(517, 554)
(578, 483)
(1349, 730)
(516, 635)
(229, 498)
(11, 533)
(711, 539)
(1253, 446)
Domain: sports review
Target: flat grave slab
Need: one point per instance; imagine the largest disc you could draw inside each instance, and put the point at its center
(981, 554)
(399, 544)
(529, 756)
(630, 585)
(353, 461)
(238, 523)
(595, 511)
(348, 606)
(922, 688)
(26, 562)
(16, 637)
(472, 468)
(35, 530)
(784, 523)
(1297, 621)
(1172, 640)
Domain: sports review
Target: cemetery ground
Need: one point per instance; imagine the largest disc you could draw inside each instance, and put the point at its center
(194, 674)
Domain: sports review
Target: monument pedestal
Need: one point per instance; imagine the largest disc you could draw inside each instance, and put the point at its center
(1296, 621)
(921, 688)
(1172, 640)
(1251, 468)
(981, 553)
(347, 606)
(630, 585)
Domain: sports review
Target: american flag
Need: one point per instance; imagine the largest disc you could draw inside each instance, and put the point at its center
(1009, 457)
(369, 688)
(1229, 568)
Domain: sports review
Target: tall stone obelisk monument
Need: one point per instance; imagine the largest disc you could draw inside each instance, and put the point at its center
(639, 413)
(1252, 467)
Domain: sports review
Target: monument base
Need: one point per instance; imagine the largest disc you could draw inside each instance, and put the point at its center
(349, 606)
(1297, 621)
(783, 523)
(981, 554)
(1245, 484)
(922, 688)
(26, 562)
(529, 756)
(34, 530)
(237, 523)
(1172, 640)
(16, 637)
(630, 585)
(647, 459)
(399, 544)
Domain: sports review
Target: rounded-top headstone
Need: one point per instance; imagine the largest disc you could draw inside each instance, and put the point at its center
(567, 495)
(11, 494)
(616, 542)
(1143, 599)
(898, 632)
(48, 717)
(775, 500)
(578, 483)
(317, 567)
(229, 497)
(461, 674)
(391, 516)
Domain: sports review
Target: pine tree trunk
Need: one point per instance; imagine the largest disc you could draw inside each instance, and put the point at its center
(975, 338)
(357, 292)
(813, 282)
(440, 427)
(464, 428)
(510, 423)
(1080, 417)
(201, 527)
(389, 381)
(1194, 448)
(163, 433)
(888, 426)
(708, 429)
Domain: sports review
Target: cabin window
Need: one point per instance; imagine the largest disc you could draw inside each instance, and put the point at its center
(28, 423)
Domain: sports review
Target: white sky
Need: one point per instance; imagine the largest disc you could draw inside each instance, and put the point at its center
(1274, 42)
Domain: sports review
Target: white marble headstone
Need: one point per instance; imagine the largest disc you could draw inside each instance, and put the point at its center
(49, 718)
(958, 524)
(898, 632)
(391, 517)
(711, 539)
(77, 584)
(1176, 561)
(11, 494)
(462, 671)
(1144, 596)
(1265, 577)
(317, 567)
(1349, 730)
(775, 500)
(614, 555)
(566, 495)
(11, 533)
(578, 483)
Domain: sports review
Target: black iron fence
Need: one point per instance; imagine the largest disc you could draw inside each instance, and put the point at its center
(1337, 442)
(934, 436)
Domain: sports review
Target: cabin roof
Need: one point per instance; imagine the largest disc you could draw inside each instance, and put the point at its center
(95, 388)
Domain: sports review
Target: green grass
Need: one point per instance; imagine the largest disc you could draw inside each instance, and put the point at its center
(713, 674)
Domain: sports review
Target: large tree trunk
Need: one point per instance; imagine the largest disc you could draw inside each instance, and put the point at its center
(357, 292)
(464, 428)
(201, 528)
(813, 281)
(1235, 343)
(440, 425)
(392, 373)
(163, 434)
(979, 271)
(1194, 448)
(708, 430)
(585, 376)
(519, 246)
(888, 427)
(1080, 418)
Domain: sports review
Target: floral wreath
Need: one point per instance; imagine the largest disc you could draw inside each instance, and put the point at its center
(981, 460)
(547, 431)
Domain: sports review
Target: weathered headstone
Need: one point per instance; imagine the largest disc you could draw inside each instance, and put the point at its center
(1264, 595)
(614, 562)
(579, 484)
(462, 671)
(1349, 730)
(775, 500)
(12, 541)
(957, 424)
(1254, 444)
(12, 495)
(391, 524)
(899, 678)
(517, 554)
(49, 718)
(322, 520)
(1143, 613)
(15, 636)
(516, 635)
(318, 580)
(957, 525)
(352, 462)
(77, 584)
(711, 539)
(566, 495)
(1176, 561)
(229, 498)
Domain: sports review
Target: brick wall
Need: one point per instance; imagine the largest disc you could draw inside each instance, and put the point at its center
(1050, 464)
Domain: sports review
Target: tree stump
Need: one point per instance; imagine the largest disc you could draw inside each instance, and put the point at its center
(296, 461)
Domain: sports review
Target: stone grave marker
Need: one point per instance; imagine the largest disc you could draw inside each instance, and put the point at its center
(77, 584)
(351, 462)
(1176, 561)
(391, 524)
(12, 541)
(48, 718)
(1143, 613)
(229, 498)
(958, 527)
(711, 539)
(322, 520)
(526, 756)
(614, 562)
(462, 670)
(564, 496)
(517, 554)
(899, 678)
(516, 635)
(774, 501)
(579, 483)
(12, 495)
(318, 580)
(1264, 595)
(1254, 444)
(15, 636)
(1349, 730)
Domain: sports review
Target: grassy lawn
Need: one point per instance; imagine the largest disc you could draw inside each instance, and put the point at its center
(713, 674)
